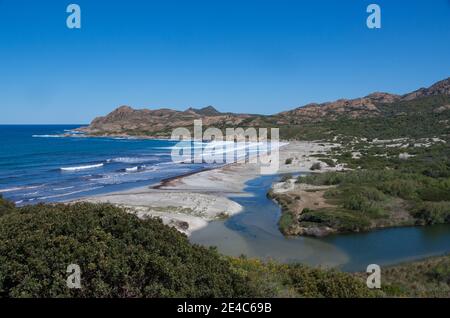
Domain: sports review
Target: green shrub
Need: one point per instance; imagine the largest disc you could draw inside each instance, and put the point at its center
(432, 212)
(285, 222)
(329, 162)
(286, 177)
(119, 255)
(281, 280)
(5, 206)
(340, 220)
(440, 273)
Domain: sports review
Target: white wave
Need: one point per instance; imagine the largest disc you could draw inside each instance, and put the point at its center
(131, 159)
(10, 190)
(47, 136)
(99, 165)
(19, 188)
(68, 193)
(133, 169)
(64, 188)
(31, 193)
(74, 132)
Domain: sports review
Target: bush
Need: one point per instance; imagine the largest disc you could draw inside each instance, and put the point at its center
(342, 221)
(316, 166)
(440, 273)
(329, 162)
(286, 177)
(288, 161)
(285, 222)
(275, 280)
(5, 206)
(119, 255)
(123, 256)
(432, 212)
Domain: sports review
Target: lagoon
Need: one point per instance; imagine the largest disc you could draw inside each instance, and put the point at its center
(254, 233)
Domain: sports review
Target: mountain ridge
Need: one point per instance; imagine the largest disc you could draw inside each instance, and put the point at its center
(126, 120)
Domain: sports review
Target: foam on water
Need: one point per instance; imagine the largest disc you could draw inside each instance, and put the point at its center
(82, 167)
(70, 167)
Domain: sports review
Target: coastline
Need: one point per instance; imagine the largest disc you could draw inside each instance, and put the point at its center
(190, 201)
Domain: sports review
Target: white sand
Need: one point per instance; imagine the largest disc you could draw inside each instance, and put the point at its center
(190, 202)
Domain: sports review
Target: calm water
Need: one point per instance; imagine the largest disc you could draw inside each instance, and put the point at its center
(255, 233)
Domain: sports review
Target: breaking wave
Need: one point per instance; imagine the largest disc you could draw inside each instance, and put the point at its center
(99, 165)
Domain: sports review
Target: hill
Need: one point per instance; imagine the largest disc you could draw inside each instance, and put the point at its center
(160, 122)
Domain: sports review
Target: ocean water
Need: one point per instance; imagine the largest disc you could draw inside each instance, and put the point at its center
(37, 164)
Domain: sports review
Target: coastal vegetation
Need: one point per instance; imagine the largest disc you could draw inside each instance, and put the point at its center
(425, 278)
(119, 256)
(397, 171)
(123, 256)
(377, 192)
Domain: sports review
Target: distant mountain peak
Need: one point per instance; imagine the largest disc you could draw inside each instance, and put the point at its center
(438, 88)
(205, 111)
(124, 109)
(382, 97)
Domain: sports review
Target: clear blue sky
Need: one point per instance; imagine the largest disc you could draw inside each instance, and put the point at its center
(252, 56)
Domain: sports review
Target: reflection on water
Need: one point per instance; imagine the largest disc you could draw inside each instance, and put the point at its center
(254, 233)
(390, 246)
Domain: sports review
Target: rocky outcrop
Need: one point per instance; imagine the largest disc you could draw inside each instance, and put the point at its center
(367, 106)
(159, 122)
(439, 88)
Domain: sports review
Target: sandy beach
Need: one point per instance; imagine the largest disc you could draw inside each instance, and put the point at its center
(190, 202)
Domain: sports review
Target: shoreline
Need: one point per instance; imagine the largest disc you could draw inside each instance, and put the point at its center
(192, 200)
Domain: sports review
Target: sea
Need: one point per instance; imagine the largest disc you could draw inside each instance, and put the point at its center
(39, 163)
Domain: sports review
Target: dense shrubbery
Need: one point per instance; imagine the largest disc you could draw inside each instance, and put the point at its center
(432, 212)
(341, 220)
(123, 256)
(119, 256)
(440, 273)
(425, 278)
(280, 280)
(5, 206)
(370, 193)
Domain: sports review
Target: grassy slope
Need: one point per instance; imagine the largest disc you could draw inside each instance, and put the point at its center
(426, 278)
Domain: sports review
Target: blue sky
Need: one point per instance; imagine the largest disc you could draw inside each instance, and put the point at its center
(252, 56)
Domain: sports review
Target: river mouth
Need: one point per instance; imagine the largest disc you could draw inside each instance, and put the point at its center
(254, 233)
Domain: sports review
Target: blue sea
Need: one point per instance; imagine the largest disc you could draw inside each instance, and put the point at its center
(38, 164)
